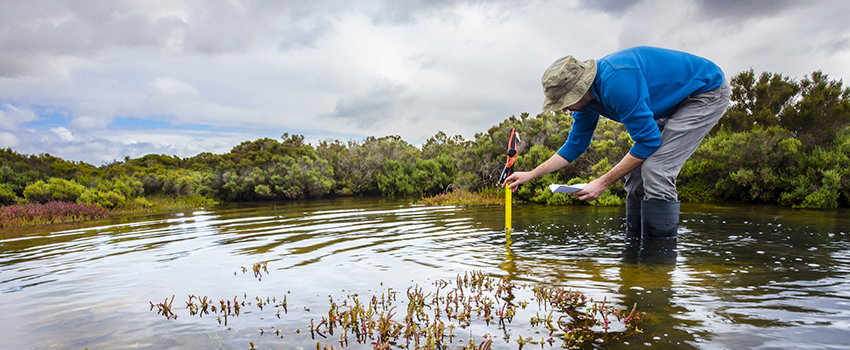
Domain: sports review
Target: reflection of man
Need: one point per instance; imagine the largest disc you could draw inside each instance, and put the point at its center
(667, 100)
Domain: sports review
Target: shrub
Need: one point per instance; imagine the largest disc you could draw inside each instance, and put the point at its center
(103, 199)
(7, 195)
(825, 197)
(417, 178)
(54, 190)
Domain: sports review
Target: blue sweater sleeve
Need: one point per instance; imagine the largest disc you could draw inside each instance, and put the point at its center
(584, 124)
(628, 97)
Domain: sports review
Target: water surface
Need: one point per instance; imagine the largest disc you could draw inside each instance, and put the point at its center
(757, 277)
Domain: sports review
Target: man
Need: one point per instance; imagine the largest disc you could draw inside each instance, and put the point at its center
(668, 101)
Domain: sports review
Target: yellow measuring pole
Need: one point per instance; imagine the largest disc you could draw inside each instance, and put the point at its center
(508, 202)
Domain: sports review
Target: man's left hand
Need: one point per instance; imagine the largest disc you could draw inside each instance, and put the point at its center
(592, 190)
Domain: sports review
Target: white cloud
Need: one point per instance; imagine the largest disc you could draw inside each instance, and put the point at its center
(172, 86)
(11, 117)
(90, 122)
(64, 134)
(8, 139)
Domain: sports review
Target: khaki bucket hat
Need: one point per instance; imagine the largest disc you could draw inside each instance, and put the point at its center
(566, 81)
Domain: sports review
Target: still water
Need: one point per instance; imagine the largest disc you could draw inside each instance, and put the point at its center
(745, 277)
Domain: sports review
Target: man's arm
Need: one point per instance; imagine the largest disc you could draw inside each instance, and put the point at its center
(596, 187)
(556, 162)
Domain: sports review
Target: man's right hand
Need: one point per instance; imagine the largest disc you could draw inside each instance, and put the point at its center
(520, 177)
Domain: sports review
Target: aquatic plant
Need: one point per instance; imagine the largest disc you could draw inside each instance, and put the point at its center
(256, 268)
(434, 319)
(164, 308)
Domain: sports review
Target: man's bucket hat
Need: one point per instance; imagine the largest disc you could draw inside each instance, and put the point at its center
(566, 81)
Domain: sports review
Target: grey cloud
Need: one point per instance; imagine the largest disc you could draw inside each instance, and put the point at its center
(835, 46)
(709, 9)
(39, 28)
(749, 9)
(32, 31)
(383, 102)
(13, 65)
(614, 7)
(404, 12)
(305, 34)
(397, 12)
(71, 32)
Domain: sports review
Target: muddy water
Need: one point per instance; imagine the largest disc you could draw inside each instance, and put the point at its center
(754, 277)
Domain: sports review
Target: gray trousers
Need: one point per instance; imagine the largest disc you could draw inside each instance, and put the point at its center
(681, 134)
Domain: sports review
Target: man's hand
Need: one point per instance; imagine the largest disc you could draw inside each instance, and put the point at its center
(597, 187)
(592, 190)
(518, 178)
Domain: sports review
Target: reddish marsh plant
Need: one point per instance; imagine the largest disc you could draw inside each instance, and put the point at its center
(49, 213)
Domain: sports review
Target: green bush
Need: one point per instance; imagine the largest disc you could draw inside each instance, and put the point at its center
(7, 195)
(417, 178)
(103, 199)
(608, 199)
(825, 197)
(55, 189)
(305, 177)
(745, 166)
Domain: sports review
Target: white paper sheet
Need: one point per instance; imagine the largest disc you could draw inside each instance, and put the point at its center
(565, 188)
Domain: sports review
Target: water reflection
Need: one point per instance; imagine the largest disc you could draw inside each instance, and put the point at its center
(740, 276)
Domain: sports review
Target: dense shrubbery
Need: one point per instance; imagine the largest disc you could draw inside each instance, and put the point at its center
(781, 141)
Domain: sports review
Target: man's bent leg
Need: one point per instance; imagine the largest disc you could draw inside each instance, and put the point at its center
(682, 134)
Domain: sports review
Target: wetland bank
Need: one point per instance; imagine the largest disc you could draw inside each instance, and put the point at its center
(745, 276)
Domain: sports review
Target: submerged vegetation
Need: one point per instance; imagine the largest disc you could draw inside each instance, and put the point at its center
(440, 318)
(781, 142)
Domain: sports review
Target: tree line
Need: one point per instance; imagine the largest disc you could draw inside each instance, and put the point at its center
(782, 141)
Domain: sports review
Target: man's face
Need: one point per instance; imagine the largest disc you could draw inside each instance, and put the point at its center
(577, 107)
(581, 104)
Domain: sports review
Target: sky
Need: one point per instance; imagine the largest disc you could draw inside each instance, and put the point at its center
(100, 80)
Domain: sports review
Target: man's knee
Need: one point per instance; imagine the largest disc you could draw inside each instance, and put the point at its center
(658, 182)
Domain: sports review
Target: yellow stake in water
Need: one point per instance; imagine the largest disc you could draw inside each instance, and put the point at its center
(508, 203)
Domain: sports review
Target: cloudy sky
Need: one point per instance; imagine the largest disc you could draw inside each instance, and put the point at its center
(98, 80)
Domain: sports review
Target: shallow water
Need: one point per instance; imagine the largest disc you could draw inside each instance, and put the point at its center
(756, 277)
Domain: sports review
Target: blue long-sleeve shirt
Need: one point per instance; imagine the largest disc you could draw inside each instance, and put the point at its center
(635, 87)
